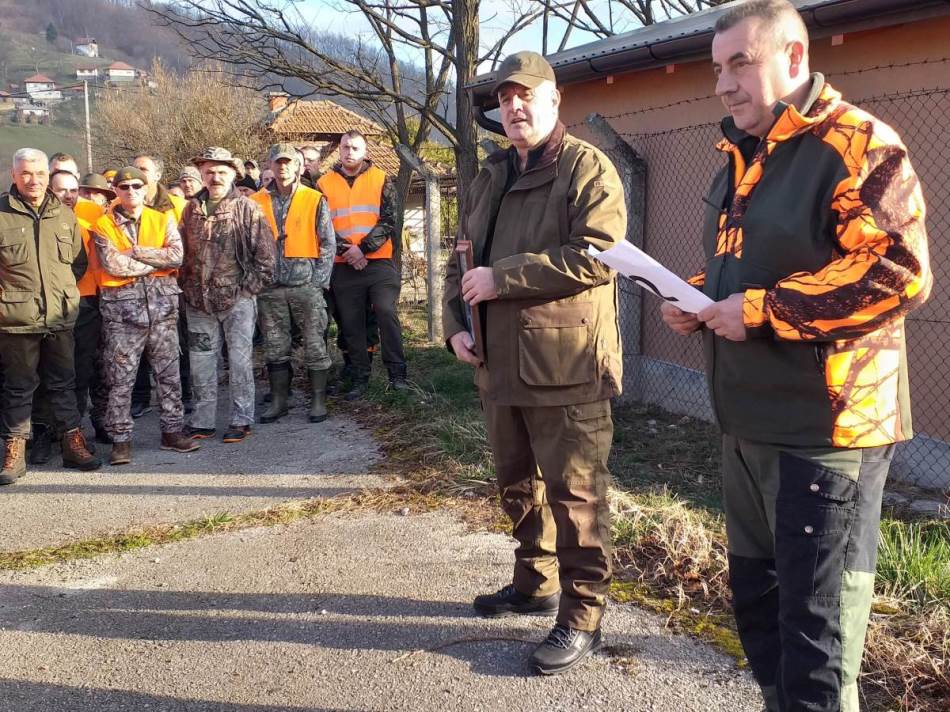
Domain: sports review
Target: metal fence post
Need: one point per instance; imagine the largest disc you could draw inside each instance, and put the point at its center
(433, 227)
(633, 175)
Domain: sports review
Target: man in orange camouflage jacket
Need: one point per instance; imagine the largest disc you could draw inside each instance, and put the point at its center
(815, 252)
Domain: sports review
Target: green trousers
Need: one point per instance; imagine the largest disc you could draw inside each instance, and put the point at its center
(551, 466)
(803, 528)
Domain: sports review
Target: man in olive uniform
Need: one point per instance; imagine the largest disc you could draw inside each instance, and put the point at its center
(306, 245)
(139, 251)
(550, 357)
(41, 258)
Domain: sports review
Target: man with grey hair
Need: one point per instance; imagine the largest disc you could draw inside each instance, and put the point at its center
(550, 357)
(816, 250)
(42, 257)
(229, 258)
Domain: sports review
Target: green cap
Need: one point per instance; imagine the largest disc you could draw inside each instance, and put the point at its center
(282, 150)
(529, 69)
(128, 173)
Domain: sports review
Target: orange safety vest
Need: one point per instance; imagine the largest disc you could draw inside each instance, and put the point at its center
(87, 213)
(301, 221)
(355, 211)
(152, 225)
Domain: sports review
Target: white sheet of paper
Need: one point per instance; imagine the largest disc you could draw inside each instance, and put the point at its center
(638, 266)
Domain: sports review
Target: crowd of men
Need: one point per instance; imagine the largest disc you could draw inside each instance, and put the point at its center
(111, 282)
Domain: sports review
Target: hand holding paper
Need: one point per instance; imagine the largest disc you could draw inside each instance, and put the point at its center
(650, 274)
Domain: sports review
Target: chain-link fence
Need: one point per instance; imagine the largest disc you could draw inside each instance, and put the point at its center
(668, 370)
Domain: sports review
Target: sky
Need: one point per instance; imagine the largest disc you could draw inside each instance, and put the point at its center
(496, 16)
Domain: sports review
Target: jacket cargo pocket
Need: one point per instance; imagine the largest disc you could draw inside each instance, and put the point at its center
(70, 302)
(13, 246)
(554, 344)
(814, 513)
(64, 245)
(18, 308)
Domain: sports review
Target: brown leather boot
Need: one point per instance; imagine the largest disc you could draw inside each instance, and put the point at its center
(75, 453)
(14, 460)
(121, 453)
(179, 442)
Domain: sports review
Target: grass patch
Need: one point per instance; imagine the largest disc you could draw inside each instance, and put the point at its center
(668, 526)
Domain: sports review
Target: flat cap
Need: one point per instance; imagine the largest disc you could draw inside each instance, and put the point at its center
(529, 69)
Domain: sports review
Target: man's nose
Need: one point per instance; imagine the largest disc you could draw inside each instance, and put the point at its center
(725, 84)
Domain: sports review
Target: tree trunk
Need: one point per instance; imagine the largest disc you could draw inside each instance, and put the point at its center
(465, 17)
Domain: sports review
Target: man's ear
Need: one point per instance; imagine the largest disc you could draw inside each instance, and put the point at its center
(797, 60)
(555, 98)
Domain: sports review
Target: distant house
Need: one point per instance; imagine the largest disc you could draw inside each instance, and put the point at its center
(32, 114)
(87, 73)
(86, 46)
(42, 88)
(120, 72)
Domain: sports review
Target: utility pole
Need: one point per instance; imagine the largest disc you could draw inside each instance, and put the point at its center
(85, 96)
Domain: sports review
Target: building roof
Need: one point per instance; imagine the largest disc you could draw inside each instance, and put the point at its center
(319, 120)
(85, 40)
(120, 66)
(38, 79)
(689, 38)
(87, 68)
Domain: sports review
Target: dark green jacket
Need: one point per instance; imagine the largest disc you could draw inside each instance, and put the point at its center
(41, 258)
(821, 227)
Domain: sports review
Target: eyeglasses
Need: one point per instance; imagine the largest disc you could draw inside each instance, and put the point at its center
(130, 186)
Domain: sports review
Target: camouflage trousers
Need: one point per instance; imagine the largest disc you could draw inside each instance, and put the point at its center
(304, 306)
(551, 467)
(124, 342)
(204, 345)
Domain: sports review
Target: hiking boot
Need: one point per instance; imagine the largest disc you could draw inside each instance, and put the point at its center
(200, 433)
(179, 442)
(75, 453)
(511, 602)
(564, 648)
(397, 379)
(14, 460)
(279, 374)
(318, 396)
(41, 448)
(357, 390)
(236, 433)
(121, 453)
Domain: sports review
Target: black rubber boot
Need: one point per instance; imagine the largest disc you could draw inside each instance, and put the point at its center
(41, 447)
(318, 396)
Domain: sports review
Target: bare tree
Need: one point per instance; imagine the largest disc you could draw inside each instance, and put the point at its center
(605, 18)
(270, 45)
(177, 118)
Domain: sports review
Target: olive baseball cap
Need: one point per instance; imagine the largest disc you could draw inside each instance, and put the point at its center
(529, 69)
(128, 173)
(282, 150)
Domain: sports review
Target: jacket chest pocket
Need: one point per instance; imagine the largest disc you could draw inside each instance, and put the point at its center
(14, 249)
(64, 246)
(554, 344)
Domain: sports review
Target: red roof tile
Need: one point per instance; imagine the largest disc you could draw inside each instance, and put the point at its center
(38, 79)
(119, 65)
(300, 119)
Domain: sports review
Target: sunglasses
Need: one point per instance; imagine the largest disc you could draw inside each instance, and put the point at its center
(130, 186)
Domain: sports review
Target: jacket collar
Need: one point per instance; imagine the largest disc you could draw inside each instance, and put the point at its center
(338, 167)
(49, 208)
(542, 161)
(821, 101)
(162, 202)
(202, 199)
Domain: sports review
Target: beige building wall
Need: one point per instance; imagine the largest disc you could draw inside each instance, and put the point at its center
(670, 116)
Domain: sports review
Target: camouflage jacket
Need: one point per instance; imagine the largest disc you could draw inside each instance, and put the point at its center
(228, 254)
